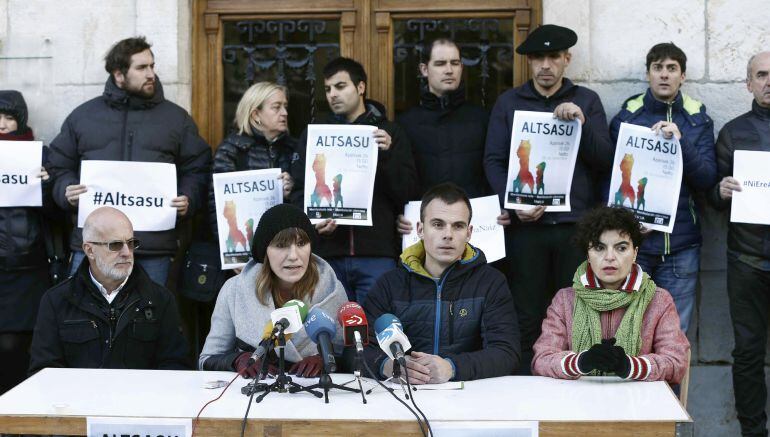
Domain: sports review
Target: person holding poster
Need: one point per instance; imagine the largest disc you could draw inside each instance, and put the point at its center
(23, 260)
(132, 121)
(261, 138)
(541, 258)
(748, 253)
(613, 319)
(672, 260)
(360, 254)
(283, 267)
(455, 309)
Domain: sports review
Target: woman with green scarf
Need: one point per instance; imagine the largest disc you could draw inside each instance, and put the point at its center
(613, 320)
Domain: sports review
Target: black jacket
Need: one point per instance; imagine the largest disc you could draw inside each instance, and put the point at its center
(76, 327)
(393, 184)
(595, 154)
(117, 126)
(447, 135)
(466, 316)
(750, 131)
(239, 152)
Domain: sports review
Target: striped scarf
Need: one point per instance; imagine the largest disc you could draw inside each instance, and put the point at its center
(591, 300)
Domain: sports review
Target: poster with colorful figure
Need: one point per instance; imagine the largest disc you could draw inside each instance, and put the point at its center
(241, 197)
(646, 176)
(542, 161)
(340, 166)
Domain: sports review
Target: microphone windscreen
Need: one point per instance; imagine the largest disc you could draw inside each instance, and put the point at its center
(351, 314)
(318, 322)
(268, 330)
(384, 321)
(300, 305)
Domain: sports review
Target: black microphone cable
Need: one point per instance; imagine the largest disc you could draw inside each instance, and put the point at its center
(409, 386)
(256, 381)
(377, 380)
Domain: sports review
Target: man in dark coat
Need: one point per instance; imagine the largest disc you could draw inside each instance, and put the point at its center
(132, 121)
(455, 309)
(360, 254)
(539, 249)
(110, 314)
(748, 254)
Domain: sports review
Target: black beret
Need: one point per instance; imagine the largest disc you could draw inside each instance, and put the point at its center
(547, 38)
(273, 221)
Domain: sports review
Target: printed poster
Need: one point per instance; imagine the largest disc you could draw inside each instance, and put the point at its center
(141, 190)
(542, 161)
(241, 198)
(647, 176)
(752, 204)
(20, 163)
(341, 162)
(487, 234)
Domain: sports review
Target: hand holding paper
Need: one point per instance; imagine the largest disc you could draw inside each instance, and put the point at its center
(568, 111)
(403, 225)
(530, 215)
(181, 203)
(382, 138)
(668, 129)
(727, 185)
(73, 192)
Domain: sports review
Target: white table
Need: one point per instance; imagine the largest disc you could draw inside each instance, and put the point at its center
(59, 400)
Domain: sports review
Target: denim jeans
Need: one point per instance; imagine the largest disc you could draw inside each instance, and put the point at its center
(358, 274)
(156, 267)
(678, 274)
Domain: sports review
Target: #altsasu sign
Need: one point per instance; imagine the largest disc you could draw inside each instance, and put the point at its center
(20, 163)
(141, 190)
(487, 234)
(542, 161)
(752, 203)
(241, 198)
(341, 162)
(647, 176)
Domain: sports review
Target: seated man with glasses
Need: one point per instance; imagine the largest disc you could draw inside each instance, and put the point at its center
(109, 314)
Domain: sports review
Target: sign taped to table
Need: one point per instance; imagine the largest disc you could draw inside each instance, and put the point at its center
(241, 198)
(340, 166)
(647, 176)
(548, 147)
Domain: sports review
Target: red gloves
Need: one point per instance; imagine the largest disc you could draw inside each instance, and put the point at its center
(248, 371)
(309, 367)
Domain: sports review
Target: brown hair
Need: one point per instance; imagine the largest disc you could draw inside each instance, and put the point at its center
(267, 281)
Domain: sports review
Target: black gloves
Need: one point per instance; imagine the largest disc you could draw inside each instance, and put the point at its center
(605, 357)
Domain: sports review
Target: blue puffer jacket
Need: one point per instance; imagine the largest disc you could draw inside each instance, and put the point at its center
(699, 172)
(466, 315)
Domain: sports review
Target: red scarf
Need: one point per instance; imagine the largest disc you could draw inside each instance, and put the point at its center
(15, 136)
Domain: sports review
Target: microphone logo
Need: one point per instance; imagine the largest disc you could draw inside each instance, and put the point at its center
(354, 319)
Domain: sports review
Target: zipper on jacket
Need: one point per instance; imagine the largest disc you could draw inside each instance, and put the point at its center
(112, 327)
(123, 137)
(130, 144)
(352, 243)
(125, 310)
(437, 326)
(451, 323)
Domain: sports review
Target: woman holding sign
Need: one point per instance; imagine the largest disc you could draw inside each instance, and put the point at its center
(23, 259)
(614, 319)
(282, 268)
(261, 138)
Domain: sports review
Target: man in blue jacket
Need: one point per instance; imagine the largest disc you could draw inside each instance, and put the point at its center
(672, 260)
(539, 249)
(455, 309)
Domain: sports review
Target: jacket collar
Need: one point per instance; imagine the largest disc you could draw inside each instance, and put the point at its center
(760, 111)
(413, 258)
(119, 98)
(528, 90)
(448, 101)
(374, 114)
(656, 106)
(632, 283)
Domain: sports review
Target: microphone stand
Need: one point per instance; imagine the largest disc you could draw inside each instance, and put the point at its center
(325, 382)
(357, 363)
(283, 382)
(395, 377)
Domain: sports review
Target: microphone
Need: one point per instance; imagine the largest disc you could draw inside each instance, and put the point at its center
(289, 317)
(391, 337)
(261, 349)
(320, 327)
(355, 329)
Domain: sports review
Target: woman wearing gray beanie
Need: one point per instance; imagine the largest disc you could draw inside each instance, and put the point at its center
(283, 268)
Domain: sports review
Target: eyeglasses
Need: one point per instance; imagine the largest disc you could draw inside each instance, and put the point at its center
(117, 245)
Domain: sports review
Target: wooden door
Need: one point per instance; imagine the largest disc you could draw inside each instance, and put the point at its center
(239, 42)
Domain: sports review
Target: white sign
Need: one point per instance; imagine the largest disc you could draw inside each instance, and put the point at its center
(752, 203)
(241, 198)
(484, 428)
(144, 426)
(341, 162)
(542, 161)
(647, 176)
(487, 234)
(20, 163)
(141, 190)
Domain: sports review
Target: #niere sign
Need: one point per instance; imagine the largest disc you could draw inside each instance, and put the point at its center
(752, 203)
(341, 163)
(241, 198)
(542, 161)
(647, 176)
(20, 163)
(141, 190)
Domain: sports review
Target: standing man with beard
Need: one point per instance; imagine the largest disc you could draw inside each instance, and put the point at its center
(110, 314)
(539, 245)
(132, 121)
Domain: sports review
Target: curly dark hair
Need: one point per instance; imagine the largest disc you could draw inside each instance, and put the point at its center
(607, 218)
(119, 56)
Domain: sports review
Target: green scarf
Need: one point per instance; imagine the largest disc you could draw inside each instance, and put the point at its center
(589, 302)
